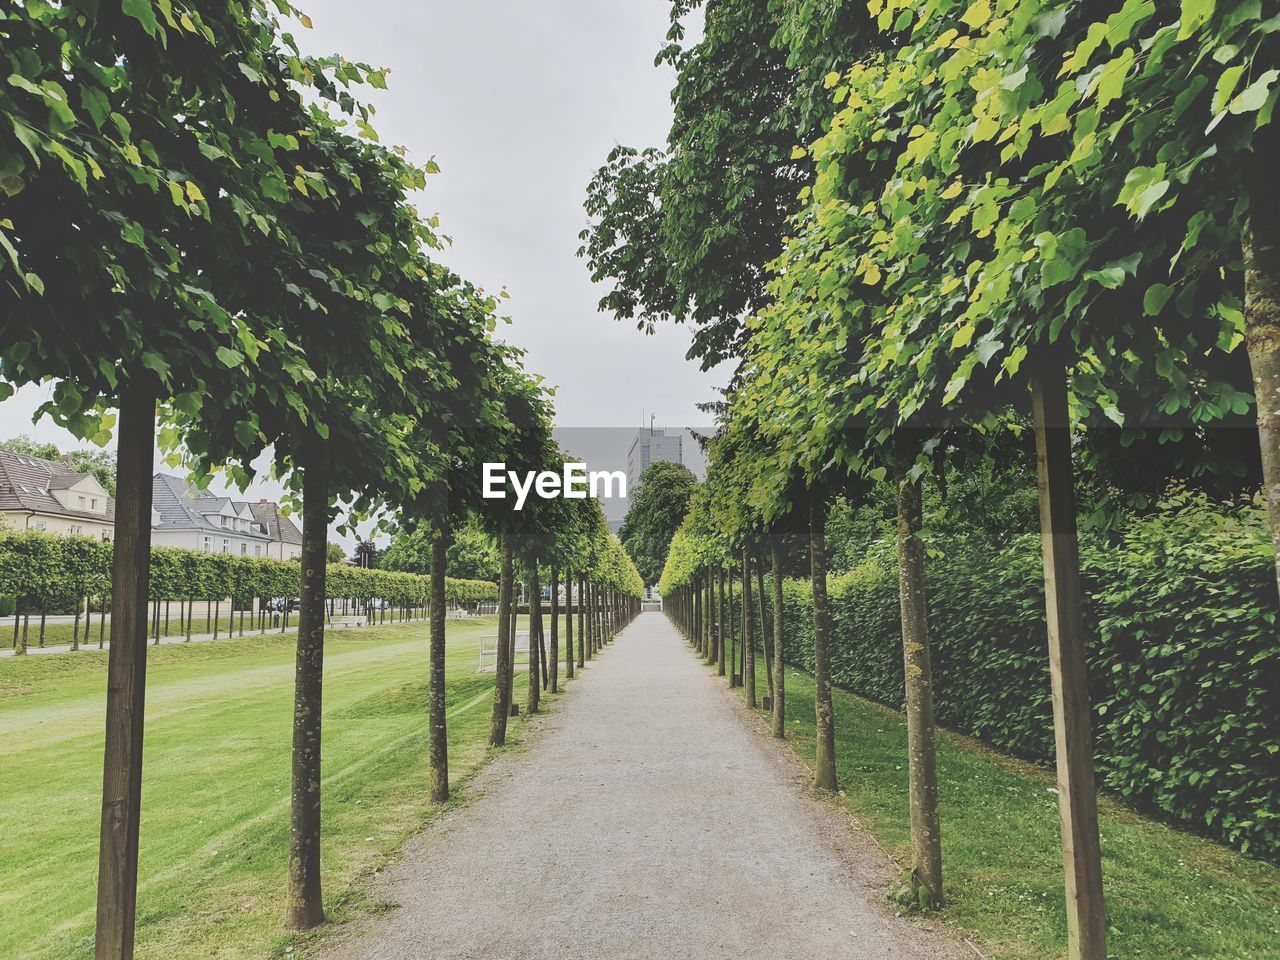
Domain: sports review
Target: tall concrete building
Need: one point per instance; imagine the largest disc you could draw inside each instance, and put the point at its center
(651, 446)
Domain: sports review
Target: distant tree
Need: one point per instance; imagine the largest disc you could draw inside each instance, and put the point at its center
(660, 503)
(335, 553)
(100, 463)
(410, 552)
(473, 554)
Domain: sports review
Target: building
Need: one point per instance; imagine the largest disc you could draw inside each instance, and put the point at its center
(286, 538)
(49, 495)
(651, 446)
(183, 515)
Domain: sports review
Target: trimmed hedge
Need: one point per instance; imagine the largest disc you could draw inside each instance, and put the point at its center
(1184, 658)
(42, 570)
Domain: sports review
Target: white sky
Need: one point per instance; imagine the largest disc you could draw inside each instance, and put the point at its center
(519, 102)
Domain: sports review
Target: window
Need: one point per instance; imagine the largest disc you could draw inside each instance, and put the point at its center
(106, 536)
(74, 528)
(80, 502)
(40, 525)
(226, 545)
(257, 549)
(206, 544)
(93, 503)
(244, 549)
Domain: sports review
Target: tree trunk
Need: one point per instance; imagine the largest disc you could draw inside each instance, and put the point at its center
(1077, 801)
(502, 666)
(1261, 243)
(926, 839)
(75, 628)
(126, 677)
(779, 667)
(305, 906)
(765, 643)
(824, 761)
(734, 676)
(534, 694)
(582, 621)
(190, 615)
(721, 623)
(748, 632)
(568, 624)
(695, 597)
(590, 595)
(553, 656)
(709, 605)
(43, 616)
(102, 622)
(438, 744)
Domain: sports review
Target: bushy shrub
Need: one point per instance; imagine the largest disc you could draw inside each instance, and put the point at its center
(46, 572)
(1183, 658)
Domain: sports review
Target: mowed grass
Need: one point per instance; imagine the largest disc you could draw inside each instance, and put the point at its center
(215, 812)
(1169, 894)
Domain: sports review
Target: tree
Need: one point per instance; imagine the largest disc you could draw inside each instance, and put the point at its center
(472, 554)
(335, 554)
(657, 508)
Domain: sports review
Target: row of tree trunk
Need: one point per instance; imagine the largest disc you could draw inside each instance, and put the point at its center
(263, 618)
(704, 612)
(601, 613)
(701, 611)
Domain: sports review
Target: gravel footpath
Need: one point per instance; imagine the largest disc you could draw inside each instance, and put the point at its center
(650, 817)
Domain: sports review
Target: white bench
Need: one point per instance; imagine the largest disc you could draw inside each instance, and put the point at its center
(342, 623)
(489, 649)
(456, 613)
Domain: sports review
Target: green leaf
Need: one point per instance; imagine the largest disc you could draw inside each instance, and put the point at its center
(229, 357)
(1195, 13)
(154, 361)
(1225, 87)
(979, 12)
(1111, 79)
(246, 433)
(1252, 97)
(144, 12)
(1156, 297)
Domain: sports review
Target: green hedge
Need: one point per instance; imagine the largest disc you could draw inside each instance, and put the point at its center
(43, 571)
(1184, 658)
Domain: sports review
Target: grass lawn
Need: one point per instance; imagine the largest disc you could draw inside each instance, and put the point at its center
(1169, 894)
(216, 783)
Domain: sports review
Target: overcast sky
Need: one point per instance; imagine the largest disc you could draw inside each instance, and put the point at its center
(519, 103)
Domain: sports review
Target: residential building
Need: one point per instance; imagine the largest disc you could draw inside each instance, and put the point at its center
(650, 446)
(286, 538)
(182, 515)
(51, 496)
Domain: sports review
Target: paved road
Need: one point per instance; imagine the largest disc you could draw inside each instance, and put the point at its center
(650, 817)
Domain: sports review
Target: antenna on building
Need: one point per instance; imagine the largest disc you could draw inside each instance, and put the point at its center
(652, 417)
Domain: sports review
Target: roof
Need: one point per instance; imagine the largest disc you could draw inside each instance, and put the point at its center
(182, 506)
(26, 484)
(278, 526)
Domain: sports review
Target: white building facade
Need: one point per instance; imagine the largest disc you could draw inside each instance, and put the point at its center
(184, 516)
